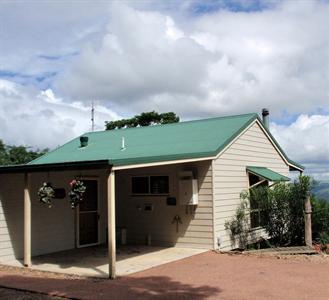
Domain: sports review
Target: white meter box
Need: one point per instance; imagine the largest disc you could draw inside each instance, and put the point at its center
(188, 191)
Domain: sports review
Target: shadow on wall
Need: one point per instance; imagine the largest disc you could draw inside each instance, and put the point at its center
(152, 287)
(167, 225)
(44, 220)
(11, 216)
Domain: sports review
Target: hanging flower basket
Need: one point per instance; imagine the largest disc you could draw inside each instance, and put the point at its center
(76, 193)
(46, 193)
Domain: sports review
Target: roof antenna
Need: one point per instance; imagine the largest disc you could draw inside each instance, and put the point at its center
(92, 116)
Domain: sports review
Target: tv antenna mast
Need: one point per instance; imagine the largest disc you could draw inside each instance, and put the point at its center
(92, 116)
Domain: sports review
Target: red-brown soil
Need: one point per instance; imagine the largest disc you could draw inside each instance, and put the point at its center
(204, 276)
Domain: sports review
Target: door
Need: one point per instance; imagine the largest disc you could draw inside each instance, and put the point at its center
(88, 215)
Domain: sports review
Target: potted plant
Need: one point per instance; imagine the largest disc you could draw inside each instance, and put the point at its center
(46, 193)
(76, 193)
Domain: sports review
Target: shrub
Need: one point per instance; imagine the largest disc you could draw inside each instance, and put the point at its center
(239, 226)
(275, 211)
(281, 209)
(320, 217)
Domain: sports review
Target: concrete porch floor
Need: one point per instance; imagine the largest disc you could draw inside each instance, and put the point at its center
(93, 261)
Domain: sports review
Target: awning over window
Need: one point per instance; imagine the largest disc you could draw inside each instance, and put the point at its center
(267, 174)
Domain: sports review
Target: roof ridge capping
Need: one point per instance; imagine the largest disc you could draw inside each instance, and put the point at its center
(173, 124)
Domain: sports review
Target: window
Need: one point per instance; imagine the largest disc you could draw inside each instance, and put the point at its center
(140, 185)
(150, 185)
(256, 217)
(255, 214)
(159, 185)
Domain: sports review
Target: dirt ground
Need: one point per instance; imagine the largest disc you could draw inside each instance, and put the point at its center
(205, 276)
(10, 294)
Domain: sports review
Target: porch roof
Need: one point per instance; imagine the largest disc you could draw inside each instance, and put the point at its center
(160, 143)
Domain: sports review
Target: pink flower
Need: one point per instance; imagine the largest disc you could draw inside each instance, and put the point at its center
(73, 182)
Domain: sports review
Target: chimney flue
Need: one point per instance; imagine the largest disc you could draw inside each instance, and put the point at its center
(266, 121)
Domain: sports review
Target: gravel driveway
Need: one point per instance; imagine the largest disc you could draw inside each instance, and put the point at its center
(205, 276)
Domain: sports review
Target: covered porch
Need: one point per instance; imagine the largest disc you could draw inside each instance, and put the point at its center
(34, 229)
(158, 228)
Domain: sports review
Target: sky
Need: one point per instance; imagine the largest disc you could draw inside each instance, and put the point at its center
(197, 58)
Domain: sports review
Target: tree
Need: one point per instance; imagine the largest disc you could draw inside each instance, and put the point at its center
(3, 154)
(144, 119)
(13, 155)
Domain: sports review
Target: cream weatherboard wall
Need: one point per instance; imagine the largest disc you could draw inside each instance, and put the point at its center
(196, 229)
(53, 229)
(11, 216)
(252, 148)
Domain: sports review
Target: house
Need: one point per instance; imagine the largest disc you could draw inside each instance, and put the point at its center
(169, 185)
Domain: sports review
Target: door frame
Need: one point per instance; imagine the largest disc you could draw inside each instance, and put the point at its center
(95, 178)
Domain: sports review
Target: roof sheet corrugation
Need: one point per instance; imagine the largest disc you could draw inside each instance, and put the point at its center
(185, 140)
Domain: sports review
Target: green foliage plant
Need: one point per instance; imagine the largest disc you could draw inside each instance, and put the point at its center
(144, 119)
(274, 206)
(320, 217)
(282, 213)
(46, 193)
(76, 193)
(282, 208)
(14, 155)
(300, 190)
(238, 226)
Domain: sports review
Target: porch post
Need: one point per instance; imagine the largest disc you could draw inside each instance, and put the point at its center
(111, 223)
(307, 219)
(27, 221)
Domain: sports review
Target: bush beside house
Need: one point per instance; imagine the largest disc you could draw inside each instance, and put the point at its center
(282, 215)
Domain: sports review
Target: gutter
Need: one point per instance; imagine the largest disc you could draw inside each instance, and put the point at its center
(75, 165)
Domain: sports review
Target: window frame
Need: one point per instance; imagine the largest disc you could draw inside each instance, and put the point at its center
(149, 185)
(255, 210)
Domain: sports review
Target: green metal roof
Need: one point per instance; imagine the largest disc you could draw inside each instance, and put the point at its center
(184, 140)
(159, 143)
(267, 174)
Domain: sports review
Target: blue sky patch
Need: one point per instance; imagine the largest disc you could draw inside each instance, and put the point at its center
(210, 6)
(57, 57)
(41, 81)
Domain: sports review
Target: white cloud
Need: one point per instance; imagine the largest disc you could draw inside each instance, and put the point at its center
(38, 37)
(219, 63)
(143, 57)
(165, 56)
(40, 119)
(307, 140)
